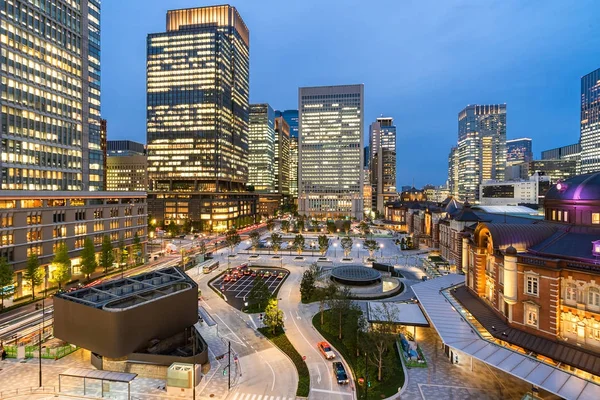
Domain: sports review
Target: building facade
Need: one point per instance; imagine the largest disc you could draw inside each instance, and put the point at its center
(542, 279)
(481, 147)
(291, 118)
(382, 145)
(50, 95)
(261, 148)
(198, 118)
(125, 148)
(331, 151)
(282, 157)
(494, 193)
(453, 162)
(555, 170)
(127, 173)
(518, 151)
(37, 221)
(569, 152)
(590, 122)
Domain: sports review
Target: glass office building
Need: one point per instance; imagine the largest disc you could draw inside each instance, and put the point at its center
(198, 119)
(382, 147)
(331, 151)
(590, 123)
(518, 151)
(50, 95)
(291, 118)
(261, 144)
(282, 156)
(481, 147)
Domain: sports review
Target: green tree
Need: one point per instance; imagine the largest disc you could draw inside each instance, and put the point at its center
(315, 224)
(276, 241)
(88, 258)
(299, 243)
(33, 273)
(346, 226)
(270, 225)
(285, 225)
(62, 263)
(260, 293)
(372, 246)
(331, 227)
(381, 337)
(273, 318)
(232, 238)
(300, 224)
(187, 226)
(340, 304)
(254, 239)
(6, 278)
(137, 248)
(328, 293)
(307, 285)
(173, 229)
(364, 227)
(323, 244)
(346, 244)
(202, 248)
(107, 257)
(123, 254)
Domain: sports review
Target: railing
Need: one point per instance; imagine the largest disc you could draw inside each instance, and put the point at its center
(53, 353)
(6, 394)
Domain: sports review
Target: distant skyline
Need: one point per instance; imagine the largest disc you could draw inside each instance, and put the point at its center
(421, 62)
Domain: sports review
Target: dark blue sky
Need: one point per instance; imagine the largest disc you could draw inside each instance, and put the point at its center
(421, 62)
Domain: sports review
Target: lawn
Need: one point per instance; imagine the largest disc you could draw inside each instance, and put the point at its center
(280, 340)
(392, 380)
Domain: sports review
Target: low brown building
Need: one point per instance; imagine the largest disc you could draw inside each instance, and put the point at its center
(148, 317)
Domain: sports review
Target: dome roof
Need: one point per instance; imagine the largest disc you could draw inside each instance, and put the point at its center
(580, 187)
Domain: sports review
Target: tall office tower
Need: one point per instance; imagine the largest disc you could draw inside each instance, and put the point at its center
(197, 119)
(382, 147)
(50, 95)
(367, 161)
(569, 152)
(282, 156)
(124, 148)
(261, 148)
(291, 117)
(518, 151)
(367, 191)
(104, 147)
(481, 147)
(590, 123)
(453, 162)
(331, 151)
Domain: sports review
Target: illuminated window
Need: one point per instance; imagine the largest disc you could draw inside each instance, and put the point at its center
(595, 218)
(571, 292)
(532, 314)
(594, 297)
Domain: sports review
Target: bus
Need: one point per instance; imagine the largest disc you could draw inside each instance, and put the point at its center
(209, 266)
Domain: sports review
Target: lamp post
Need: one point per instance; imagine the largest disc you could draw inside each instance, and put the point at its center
(381, 250)
(335, 250)
(357, 249)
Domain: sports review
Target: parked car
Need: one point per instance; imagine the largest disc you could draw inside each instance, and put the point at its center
(280, 275)
(253, 274)
(325, 349)
(227, 278)
(340, 373)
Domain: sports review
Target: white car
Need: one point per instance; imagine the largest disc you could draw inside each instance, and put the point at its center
(325, 349)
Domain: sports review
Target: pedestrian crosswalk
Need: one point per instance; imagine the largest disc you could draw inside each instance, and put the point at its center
(253, 396)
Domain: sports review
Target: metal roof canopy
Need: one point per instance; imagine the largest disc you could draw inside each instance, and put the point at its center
(407, 314)
(122, 377)
(458, 334)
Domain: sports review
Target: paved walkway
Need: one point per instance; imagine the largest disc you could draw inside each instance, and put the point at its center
(443, 380)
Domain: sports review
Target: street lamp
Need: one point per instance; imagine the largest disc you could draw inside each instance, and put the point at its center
(335, 249)
(357, 249)
(381, 250)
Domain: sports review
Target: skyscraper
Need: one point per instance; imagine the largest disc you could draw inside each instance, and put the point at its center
(382, 146)
(453, 162)
(331, 151)
(518, 151)
(590, 122)
(50, 94)
(291, 117)
(282, 156)
(569, 152)
(261, 145)
(197, 119)
(481, 147)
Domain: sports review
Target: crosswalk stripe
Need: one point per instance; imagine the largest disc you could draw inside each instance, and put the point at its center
(253, 397)
(247, 397)
(235, 396)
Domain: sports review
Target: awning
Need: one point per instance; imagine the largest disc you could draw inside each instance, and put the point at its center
(458, 334)
(407, 314)
(99, 374)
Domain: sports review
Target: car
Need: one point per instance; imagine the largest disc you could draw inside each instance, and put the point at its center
(247, 272)
(340, 373)
(274, 274)
(325, 349)
(253, 274)
(280, 275)
(266, 274)
(227, 278)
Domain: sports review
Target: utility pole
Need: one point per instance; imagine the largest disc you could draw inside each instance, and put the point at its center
(229, 367)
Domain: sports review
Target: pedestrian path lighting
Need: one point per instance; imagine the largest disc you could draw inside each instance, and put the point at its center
(357, 249)
(335, 248)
